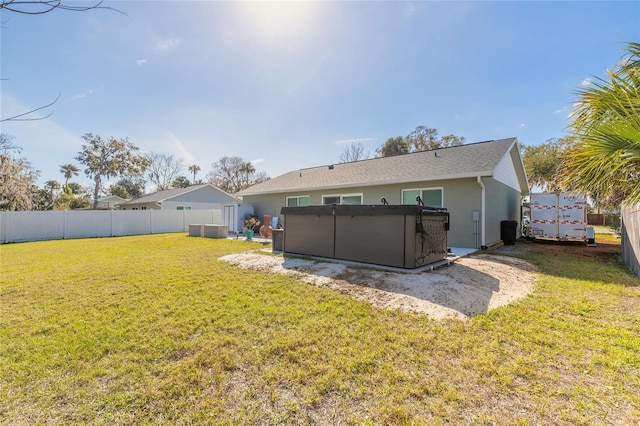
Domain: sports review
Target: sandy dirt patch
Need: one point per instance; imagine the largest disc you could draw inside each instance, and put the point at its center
(468, 287)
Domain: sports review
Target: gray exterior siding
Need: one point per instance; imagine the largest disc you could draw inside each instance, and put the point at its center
(455, 170)
(502, 203)
(202, 197)
(461, 198)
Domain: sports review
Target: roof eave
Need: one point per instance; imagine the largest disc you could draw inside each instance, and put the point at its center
(488, 173)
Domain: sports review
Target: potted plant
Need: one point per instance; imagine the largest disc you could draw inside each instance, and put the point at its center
(251, 224)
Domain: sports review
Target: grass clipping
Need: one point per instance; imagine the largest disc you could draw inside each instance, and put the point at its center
(470, 286)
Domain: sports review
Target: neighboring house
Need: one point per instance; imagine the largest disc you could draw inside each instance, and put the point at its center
(110, 202)
(196, 197)
(480, 184)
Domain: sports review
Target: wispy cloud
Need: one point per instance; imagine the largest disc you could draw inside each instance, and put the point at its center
(179, 150)
(410, 9)
(256, 161)
(561, 110)
(141, 62)
(354, 140)
(585, 82)
(83, 95)
(166, 45)
(522, 125)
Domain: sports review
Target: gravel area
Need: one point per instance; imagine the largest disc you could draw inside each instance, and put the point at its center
(470, 286)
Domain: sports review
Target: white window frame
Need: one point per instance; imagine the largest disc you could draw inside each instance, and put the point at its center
(183, 207)
(341, 196)
(436, 188)
(286, 201)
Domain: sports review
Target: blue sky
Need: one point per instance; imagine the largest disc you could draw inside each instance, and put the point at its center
(290, 85)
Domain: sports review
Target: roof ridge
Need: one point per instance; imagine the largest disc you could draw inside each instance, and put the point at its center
(178, 191)
(403, 154)
(460, 161)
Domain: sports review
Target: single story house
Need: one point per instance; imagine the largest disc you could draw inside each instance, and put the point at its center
(110, 202)
(195, 197)
(480, 184)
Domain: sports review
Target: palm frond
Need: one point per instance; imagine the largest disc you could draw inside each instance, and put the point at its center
(606, 122)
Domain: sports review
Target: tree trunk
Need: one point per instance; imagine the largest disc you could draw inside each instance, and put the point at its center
(96, 192)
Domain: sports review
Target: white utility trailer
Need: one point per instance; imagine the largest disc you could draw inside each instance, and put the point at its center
(559, 216)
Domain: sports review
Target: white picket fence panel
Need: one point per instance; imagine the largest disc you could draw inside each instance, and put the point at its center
(58, 225)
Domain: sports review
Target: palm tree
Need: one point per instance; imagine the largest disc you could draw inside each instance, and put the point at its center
(68, 170)
(606, 123)
(246, 171)
(194, 168)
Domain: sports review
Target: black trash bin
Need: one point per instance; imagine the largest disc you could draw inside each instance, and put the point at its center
(508, 229)
(277, 240)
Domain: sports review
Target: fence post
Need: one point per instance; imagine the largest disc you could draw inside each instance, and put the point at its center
(4, 226)
(630, 236)
(7, 224)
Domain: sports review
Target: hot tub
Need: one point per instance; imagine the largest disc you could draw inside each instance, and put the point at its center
(402, 236)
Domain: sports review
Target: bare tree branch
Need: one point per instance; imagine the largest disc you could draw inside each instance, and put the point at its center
(162, 169)
(41, 7)
(353, 152)
(17, 117)
(232, 174)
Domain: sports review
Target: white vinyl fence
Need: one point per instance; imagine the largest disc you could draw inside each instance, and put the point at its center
(631, 236)
(58, 225)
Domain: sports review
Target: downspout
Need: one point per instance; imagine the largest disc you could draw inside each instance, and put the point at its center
(483, 244)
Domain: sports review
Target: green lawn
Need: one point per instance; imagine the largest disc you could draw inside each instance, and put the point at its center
(154, 329)
(605, 233)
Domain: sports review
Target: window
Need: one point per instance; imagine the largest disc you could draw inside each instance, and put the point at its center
(431, 197)
(351, 199)
(299, 201)
(331, 200)
(183, 207)
(342, 199)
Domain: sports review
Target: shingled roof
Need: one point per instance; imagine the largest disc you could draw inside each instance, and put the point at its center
(160, 196)
(470, 160)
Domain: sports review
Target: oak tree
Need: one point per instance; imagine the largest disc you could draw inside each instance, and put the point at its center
(111, 158)
(18, 189)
